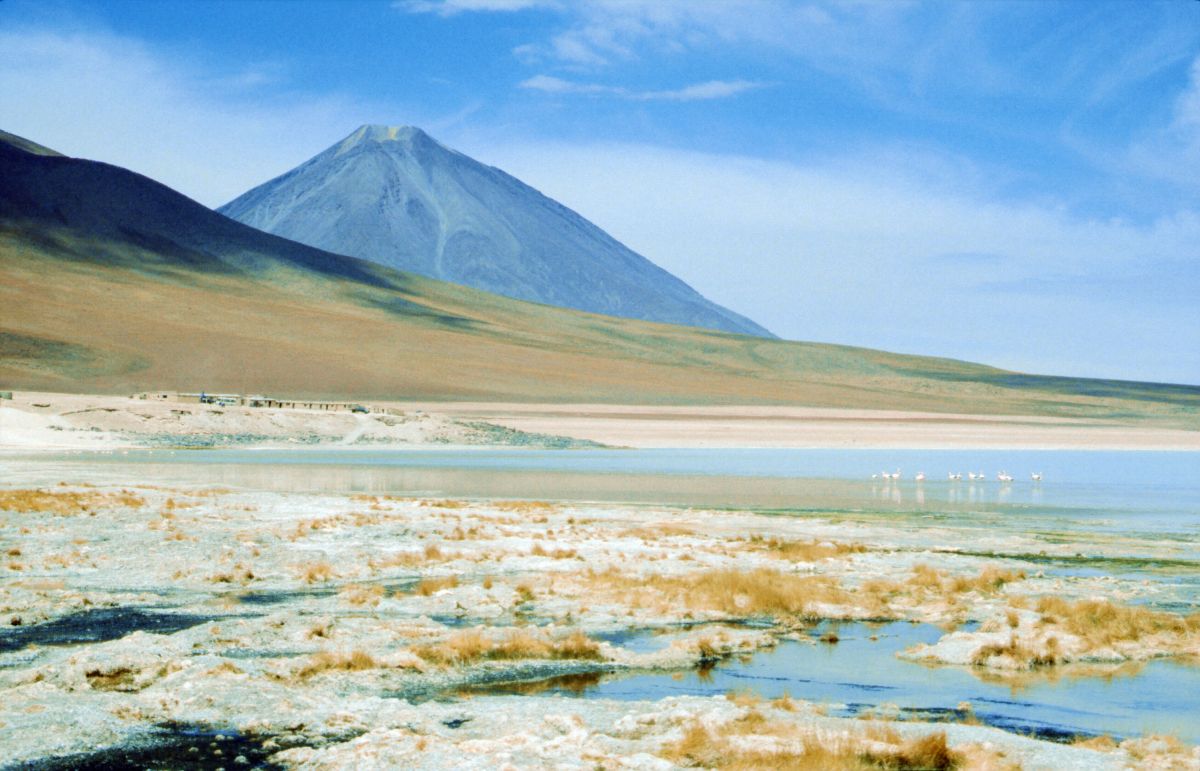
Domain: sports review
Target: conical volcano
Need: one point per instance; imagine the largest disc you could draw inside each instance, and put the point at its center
(396, 196)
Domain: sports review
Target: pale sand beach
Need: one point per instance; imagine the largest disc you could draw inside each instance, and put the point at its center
(35, 420)
(810, 427)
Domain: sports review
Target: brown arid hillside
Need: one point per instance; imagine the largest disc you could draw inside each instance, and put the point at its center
(113, 283)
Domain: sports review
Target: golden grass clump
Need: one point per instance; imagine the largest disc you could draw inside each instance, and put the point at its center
(360, 594)
(238, 574)
(537, 550)
(656, 530)
(407, 559)
(804, 551)
(66, 502)
(471, 645)
(1160, 751)
(1104, 743)
(336, 661)
(1025, 655)
(1101, 622)
(526, 507)
(928, 583)
(784, 746)
(758, 592)
(313, 572)
(445, 503)
(524, 593)
(428, 586)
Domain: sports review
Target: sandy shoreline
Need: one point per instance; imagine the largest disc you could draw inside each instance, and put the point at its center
(71, 421)
(815, 428)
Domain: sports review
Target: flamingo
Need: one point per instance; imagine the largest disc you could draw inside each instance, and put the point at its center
(1004, 476)
(954, 476)
(971, 475)
(920, 476)
(1036, 476)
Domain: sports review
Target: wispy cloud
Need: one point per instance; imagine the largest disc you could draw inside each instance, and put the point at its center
(1173, 153)
(712, 89)
(455, 7)
(867, 254)
(205, 131)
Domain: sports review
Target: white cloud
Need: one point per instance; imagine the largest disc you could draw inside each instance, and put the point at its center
(713, 89)
(208, 134)
(1171, 152)
(856, 252)
(454, 7)
(599, 32)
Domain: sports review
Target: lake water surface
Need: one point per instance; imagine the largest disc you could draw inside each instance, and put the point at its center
(1127, 514)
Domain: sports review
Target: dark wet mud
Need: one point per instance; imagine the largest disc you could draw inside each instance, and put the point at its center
(98, 625)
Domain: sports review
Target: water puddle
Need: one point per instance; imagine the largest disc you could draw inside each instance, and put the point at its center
(181, 748)
(277, 596)
(98, 625)
(860, 673)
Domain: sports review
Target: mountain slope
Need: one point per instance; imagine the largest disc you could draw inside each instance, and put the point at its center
(111, 282)
(397, 197)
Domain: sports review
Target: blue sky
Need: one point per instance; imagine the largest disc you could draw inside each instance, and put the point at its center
(1016, 183)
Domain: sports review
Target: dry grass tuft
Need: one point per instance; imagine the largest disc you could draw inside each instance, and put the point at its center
(66, 502)
(755, 742)
(313, 572)
(407, 559)
(927, 583)
(239, 574)
(759, 592)
(537, 550)
(526, 507)
(359, 594)
(804, 551)
(471, 645)
(656, 530)
(1160, 751)
(1101, 623)
(339, 661)
(1103, 743)
(445, 503)
(1046, 656)
(428, 586)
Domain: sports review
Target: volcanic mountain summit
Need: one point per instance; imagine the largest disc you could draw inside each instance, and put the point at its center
(396, 196)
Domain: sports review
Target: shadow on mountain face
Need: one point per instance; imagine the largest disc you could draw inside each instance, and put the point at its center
(94, 203)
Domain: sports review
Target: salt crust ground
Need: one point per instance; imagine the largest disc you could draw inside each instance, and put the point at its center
(62, 421)
(336, 574)
(49, 421)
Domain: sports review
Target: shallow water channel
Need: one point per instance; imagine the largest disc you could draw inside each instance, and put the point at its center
(861, 672)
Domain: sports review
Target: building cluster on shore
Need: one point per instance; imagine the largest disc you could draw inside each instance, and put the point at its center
(253, 400)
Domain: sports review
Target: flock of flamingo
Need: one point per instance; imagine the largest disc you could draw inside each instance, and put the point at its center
(956, 476)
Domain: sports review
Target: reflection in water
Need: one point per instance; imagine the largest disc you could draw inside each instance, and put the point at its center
(861, 672)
